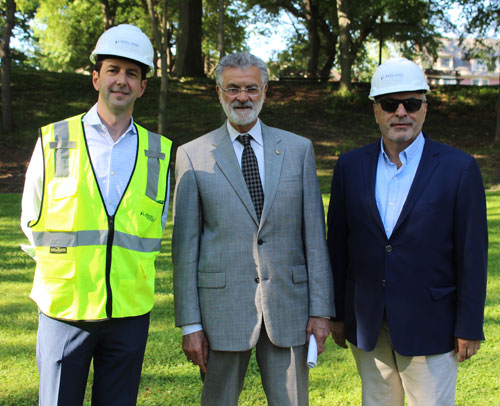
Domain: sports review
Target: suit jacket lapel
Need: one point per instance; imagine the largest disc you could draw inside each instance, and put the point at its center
(274, 152)
(428, 164)
(227, 162)
(370, 169)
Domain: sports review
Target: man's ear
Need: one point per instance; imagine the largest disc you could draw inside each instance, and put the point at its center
(144, 82)
(95, 78)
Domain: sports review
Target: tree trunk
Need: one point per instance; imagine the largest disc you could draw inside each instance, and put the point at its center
(109, 12)
(331, 50)
(8, 124)
(496, 140)
(312, 13)
(221, 37)
(161, 39)
(222, 47)
(188, 60)
(345, 46)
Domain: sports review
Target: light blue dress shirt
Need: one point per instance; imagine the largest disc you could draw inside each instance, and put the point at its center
(392, 184)
(113, 161)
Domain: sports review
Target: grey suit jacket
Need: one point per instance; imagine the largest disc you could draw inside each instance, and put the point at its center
(231, 273)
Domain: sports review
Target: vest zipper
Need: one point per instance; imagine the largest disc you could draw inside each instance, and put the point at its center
(109, 250)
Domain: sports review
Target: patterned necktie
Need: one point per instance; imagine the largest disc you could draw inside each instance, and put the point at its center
(250, 169)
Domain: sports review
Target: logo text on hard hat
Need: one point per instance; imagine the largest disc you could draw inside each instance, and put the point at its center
(125, 42)
(391, 76)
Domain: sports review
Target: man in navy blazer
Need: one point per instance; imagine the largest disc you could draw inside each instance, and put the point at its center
(408, 241)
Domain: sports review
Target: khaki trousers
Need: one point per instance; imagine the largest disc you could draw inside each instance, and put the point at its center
(387, 376)
(284, 374)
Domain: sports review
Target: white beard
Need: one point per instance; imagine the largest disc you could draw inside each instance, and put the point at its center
(242, 117)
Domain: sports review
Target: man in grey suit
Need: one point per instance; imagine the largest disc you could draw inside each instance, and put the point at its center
(251, 266)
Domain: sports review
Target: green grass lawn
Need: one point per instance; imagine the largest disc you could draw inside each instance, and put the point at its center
(168, 379)
(464, 117)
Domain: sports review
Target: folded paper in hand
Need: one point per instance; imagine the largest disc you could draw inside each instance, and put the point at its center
(312, 352)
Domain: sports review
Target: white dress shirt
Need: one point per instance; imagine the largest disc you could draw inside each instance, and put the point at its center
(113, 163)
(256, 142)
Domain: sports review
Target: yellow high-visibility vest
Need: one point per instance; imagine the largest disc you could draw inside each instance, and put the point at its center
(90, 265)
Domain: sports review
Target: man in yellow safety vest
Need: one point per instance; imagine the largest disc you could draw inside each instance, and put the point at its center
(94, 207)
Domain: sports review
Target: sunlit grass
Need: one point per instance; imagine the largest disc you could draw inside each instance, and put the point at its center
(168, 379)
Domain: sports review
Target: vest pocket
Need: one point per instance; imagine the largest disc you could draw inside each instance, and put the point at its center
(148, 217)
(61, 205)
(57, 268)
(54, 287)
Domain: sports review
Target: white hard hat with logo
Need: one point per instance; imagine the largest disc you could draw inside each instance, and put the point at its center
(397, 75)
(126, 41)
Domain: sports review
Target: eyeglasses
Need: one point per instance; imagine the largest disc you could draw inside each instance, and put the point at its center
(411, 105)
(235, 91)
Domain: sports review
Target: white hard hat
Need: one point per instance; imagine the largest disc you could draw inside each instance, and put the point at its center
(126, 41)
(397, 75)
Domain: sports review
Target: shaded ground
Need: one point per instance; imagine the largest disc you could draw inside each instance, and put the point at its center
(462, 117)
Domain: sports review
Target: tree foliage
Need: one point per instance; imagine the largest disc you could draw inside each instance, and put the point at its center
(234, 31)
(67, 32)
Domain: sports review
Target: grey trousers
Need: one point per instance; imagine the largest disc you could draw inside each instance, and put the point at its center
(284, 375)
(65, 350)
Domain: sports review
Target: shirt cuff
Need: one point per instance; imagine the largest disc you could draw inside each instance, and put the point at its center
(191, 328)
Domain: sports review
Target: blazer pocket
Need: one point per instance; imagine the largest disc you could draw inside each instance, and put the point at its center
(212, 280)
(439, 293)
(299, 274)
(290, 179)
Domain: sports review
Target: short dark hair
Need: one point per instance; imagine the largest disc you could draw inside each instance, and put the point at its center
(100, 58)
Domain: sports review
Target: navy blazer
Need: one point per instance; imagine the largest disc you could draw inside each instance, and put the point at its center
(430, 275)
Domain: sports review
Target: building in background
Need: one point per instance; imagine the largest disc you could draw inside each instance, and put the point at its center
(453, 67)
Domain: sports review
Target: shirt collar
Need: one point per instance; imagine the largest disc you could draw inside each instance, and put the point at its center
(407, 154)
(92, 118)
(255, 132)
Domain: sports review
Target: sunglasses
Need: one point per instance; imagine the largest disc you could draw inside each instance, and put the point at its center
(391, 105)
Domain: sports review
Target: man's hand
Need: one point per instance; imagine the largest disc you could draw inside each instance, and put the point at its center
(338, 336)
(195, 346)
(320, 328)
(466, 348)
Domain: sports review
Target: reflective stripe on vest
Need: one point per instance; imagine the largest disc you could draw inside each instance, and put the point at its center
(91, 266)
(154, 155)
(95, 237)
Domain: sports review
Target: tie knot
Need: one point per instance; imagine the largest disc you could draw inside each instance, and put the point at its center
(244, 139)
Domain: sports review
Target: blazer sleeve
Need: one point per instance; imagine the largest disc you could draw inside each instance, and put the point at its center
(321, 302)
(337, 238)
(471, 253)
(186, 241)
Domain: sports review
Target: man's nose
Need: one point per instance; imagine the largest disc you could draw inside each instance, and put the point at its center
(401, 111)
(121, 78)
(242, 96)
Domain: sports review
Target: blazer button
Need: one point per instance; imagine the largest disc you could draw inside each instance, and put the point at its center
(260, 242)
(257, 279)
(388, 248)
(383, 283)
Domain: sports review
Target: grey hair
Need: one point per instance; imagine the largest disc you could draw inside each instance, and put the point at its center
(242, 60)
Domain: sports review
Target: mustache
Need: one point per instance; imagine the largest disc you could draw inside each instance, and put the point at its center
(237, 103)
(397, 122)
